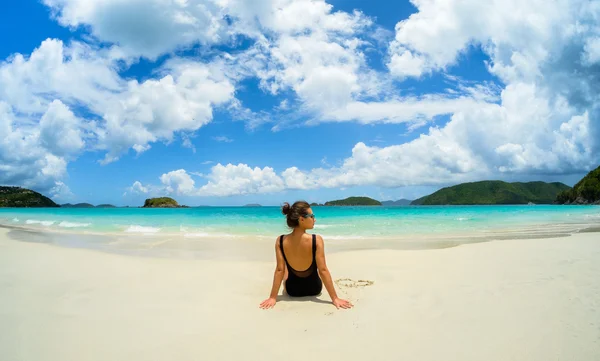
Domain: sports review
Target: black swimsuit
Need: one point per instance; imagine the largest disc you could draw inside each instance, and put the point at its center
(303, 283)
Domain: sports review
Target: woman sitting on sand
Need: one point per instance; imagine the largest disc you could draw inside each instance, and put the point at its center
(301, 251)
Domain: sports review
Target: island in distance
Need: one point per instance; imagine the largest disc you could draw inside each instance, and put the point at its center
(399, 202)
(162, 202)
(86, 205)
(354, 201)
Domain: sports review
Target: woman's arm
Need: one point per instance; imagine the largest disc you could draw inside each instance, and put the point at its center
(326, 276)
(277, 278)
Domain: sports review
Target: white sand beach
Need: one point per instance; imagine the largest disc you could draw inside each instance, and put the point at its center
(534, 299)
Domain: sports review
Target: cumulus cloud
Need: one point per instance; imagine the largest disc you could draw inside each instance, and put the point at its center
(178, 181)
(137, 188)
(56, 78)
(222, 181)
(61, 192)
(157, 27)
(64, 99)
(74, 74)
(547, 116)
(154, 110)
(230, 179)
(60, 130)
(434, 37)
(24, 160)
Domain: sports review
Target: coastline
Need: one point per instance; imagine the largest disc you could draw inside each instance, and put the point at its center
(252, 247)
(534, 299)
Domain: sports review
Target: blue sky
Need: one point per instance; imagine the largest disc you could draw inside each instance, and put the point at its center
(222, 103)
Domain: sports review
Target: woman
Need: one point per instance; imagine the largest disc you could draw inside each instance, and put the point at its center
(301, 251)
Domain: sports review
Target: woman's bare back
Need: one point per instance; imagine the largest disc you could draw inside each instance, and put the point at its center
(298, 251)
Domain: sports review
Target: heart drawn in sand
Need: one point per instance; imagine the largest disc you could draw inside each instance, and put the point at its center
(349, 283)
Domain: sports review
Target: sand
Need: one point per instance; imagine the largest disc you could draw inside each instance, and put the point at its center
(532, 299)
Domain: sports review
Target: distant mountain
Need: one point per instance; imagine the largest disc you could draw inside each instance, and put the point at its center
(77, 205)
(23, 197)
(253, 205)
(399, 202)
(494, 192)
(354, 201)
(162, 202)
(586, 191)
(105, 206)
(314, 204)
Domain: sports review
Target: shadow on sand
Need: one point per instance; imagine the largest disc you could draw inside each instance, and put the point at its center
(286, 298)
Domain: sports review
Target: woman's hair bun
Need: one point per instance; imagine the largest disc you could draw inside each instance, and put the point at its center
(286, 208)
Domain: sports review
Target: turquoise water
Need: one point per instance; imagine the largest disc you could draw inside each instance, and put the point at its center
(332, 222)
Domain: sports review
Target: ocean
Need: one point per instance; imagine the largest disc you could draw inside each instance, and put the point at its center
(331, 222)
(245, 232)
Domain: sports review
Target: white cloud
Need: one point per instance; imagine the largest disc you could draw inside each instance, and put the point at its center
(59, 130)
(158, 26)
(440, 31)
(239, 180)
(327, 69)
(545, 119)
(223, 180)
(592, 50)
(24, 161)
(178, 181)
(544, 52)
(519, 36)
(154, 110)
(525, 135)
(75, 74)
(404, 63)
(139, 149)
(55, 78)
(222, 138)
(409, 109)
(61, 192)
(137, 188)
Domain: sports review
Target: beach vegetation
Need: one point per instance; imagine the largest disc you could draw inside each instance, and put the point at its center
(23, 197)
(161, 202)
(586, 191)
(494, 192)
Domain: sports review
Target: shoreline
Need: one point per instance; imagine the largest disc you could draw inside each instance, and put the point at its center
(533, 299)
(252, 247)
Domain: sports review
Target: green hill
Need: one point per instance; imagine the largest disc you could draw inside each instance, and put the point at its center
(494, 192)
(105, 206)
(354, 201)
(586, 191)
(161, 202)
(399, 202)
(22, 197)
(77, 205)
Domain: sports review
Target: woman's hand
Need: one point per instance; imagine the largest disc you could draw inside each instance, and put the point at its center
(268, 303)
(338, 302)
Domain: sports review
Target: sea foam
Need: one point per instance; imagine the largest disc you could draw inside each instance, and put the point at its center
(141, 229)
(73, 224)
(43, 223)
